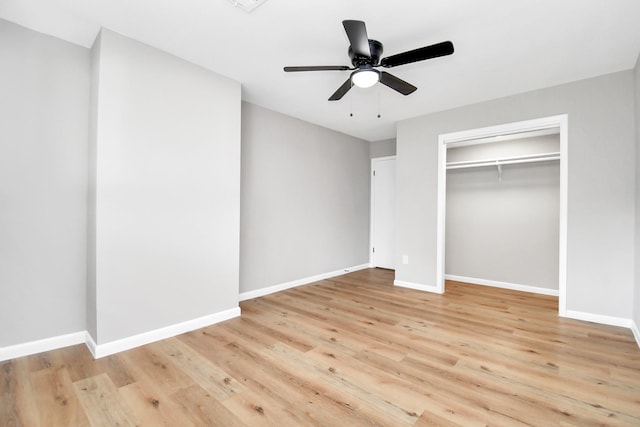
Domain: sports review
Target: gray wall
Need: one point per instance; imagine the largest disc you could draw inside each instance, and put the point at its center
(504, 230)
(383, 148)
(636, 310)
(600, 184)
(305, 199)
(167, 190)
(44, 104)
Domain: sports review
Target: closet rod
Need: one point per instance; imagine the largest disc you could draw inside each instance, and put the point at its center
(545, 157)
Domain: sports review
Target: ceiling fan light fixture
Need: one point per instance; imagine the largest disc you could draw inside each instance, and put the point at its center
(365, 78)
(365, 55)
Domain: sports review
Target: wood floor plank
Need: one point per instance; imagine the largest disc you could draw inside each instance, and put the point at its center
(81, 364)
(396, 391)
(336, 334)
(454, 397)
(44, 360)
(204, 410)
(576, 408)
(246, 365)
(149, 362)
(209, 376)
(282, 381)
(56, 400)
(102, 403)
(329, 375)
(150, 404)
(261, 409)
(350, 350)
(429, 419)
(9, 415)
(17, 402)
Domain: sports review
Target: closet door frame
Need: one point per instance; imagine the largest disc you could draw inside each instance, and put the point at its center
(372, 215)
(561, 123)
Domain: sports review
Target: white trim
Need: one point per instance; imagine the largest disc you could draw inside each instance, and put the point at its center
(441, 214)
(299, 282)
(503, 285)
(561, 122)
(599, 318)
(372, 231)
(564, 218)
(91, 345)
(39, 346)
(101, 350)
(513, 136)
(106, 349)
(417, 286)
(510, 160)
(636, 331)
(504, 129)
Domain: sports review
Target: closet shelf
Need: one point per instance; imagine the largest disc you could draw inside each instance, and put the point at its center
(499, 161)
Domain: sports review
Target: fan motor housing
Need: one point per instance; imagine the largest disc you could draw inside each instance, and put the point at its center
(376, 52)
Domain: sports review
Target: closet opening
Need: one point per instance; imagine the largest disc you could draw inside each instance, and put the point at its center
(502, 207)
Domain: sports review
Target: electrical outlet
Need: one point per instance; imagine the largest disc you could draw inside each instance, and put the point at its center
(405, 259)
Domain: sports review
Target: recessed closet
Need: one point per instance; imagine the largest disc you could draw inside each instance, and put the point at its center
(502, 211)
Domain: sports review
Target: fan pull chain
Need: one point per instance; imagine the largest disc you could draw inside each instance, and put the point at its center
(378, 100)
(351, 102)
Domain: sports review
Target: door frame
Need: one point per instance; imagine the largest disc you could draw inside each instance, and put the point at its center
(561, 122)
(372, 200)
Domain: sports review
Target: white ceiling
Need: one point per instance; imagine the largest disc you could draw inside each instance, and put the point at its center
(502, 47)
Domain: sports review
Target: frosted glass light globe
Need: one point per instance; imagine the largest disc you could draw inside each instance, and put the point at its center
(365, 78)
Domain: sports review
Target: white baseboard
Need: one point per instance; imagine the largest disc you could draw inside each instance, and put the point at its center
(39, 346)
(106, 349)
(599, 318)
(636, 331)
(101, 350)
(503, 285)
(292, 284)
(416, 286)
(91, 345)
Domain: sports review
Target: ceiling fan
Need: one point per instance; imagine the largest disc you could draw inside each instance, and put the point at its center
(365, 56)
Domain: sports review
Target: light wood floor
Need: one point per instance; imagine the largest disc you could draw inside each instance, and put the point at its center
(349, 351)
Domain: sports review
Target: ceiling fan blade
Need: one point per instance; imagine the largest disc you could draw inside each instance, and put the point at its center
(357, 33)
(319, 68)
(342, 90)
(396, 84)
(420, 54)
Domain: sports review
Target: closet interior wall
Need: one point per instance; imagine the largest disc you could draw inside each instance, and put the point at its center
(502, 223)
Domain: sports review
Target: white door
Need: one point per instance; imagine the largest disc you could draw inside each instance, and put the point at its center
(383, 197)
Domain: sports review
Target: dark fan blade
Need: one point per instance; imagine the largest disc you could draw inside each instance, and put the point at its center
(396, 84)
(427, 52)
(319, 68)
(342, 90)
(357, 33)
